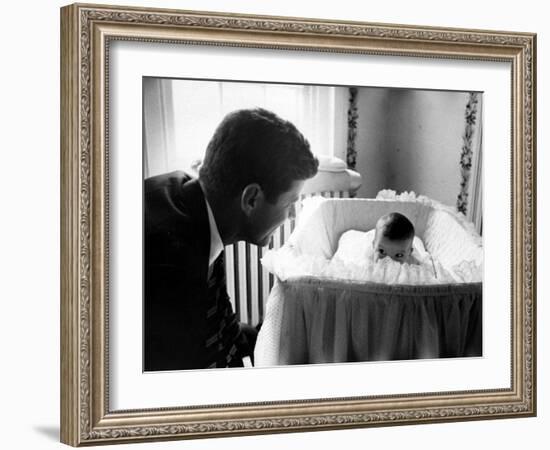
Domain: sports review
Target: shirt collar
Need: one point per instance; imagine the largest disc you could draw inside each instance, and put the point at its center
(216, 244)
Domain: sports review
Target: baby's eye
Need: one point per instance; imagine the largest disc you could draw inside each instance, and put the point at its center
(380, 251)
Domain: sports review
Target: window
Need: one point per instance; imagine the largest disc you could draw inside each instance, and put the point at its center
(180, 116)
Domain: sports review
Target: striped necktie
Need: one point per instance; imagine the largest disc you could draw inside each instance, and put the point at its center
(222, 324)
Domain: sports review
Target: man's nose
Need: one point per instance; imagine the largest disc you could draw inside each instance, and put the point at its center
(292, 211)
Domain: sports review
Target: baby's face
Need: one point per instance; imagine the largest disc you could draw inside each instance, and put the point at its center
(399, 251)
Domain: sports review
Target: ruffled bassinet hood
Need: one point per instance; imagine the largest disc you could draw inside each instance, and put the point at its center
(454, 249)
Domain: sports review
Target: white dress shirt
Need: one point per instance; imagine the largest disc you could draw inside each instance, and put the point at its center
(216, 244)
(216, 247)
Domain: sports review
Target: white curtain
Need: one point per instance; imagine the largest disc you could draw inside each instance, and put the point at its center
(159, 141)
(180, 116)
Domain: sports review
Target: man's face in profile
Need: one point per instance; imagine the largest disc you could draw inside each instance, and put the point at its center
(267, 217)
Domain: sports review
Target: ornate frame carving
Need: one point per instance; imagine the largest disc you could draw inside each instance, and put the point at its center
(86, 31)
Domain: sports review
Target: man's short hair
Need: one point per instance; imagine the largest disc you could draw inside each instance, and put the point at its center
(256, 146)
(395, 227)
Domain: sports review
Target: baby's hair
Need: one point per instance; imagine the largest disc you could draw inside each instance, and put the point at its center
(395, 227)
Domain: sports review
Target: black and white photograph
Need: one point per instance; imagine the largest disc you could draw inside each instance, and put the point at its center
(293, 224)
(275, 224)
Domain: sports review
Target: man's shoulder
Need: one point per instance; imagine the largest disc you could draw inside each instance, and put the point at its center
(174, 195)
(175, 179)
(175, 209)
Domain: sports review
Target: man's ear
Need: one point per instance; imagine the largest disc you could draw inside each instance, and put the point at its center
(251, 197)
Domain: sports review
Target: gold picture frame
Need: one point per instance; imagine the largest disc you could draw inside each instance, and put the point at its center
(86, 33)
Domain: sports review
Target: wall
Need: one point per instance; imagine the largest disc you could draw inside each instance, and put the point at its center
(372, 158)
(29, 229)
(410, 140)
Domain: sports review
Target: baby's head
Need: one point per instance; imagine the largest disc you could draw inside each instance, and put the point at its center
(393, 237)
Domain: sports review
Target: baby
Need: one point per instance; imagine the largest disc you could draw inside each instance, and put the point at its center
(393, 238)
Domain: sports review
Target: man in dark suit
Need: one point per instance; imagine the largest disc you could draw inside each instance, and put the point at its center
(252, 174)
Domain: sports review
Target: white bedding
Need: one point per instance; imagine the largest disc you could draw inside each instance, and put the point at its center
(312, 274)
(328, 243)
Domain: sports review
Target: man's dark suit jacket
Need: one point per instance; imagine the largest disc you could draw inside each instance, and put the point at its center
(177, 246)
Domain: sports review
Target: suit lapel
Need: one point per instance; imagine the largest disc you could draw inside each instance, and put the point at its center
(195, 205)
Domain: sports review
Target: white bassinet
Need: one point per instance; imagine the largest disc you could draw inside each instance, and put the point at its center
(317, 313)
